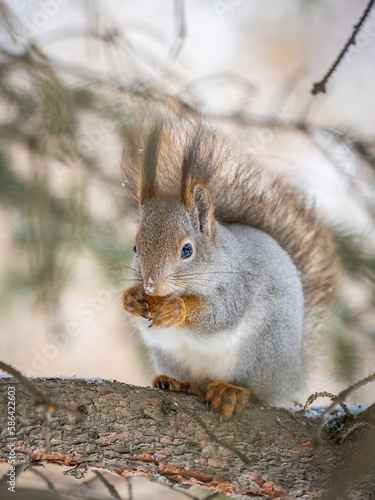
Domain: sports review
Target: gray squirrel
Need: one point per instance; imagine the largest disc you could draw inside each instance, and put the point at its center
(232, 267)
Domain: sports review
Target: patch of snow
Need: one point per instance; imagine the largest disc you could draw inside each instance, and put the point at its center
(149, 288)
(356, 409)
(336, 418)
(90, 380)
(317, 411)
(100, 380)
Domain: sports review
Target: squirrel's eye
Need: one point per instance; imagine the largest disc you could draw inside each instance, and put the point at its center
(186, 251)
(135, 251)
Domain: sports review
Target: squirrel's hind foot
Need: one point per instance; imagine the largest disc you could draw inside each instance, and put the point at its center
(228, 399)
(171, 384)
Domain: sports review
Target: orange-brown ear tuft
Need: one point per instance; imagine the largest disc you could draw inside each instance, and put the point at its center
(148, 186)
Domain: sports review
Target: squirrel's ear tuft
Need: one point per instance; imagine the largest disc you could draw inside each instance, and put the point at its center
(201, 210)
(148, 186)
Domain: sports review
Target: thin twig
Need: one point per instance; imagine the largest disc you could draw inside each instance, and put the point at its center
(8, 17)
(218, 441)
(212, 496)
(320, 87)
(179, 13)
(337, 400)
(130, 487)
(48, 429)
(41, 399)
(366, 418)
(323, 394)
(180, 490)
(19, 470)
(75, 492)
(49, 483)
(112, 490)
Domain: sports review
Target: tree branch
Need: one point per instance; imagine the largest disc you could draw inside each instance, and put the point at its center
(158, 435)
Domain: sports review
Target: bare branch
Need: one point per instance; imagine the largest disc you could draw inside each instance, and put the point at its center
(320, 87)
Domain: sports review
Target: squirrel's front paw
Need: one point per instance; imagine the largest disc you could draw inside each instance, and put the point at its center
(227, 398)
(168, 311)
(133, 300)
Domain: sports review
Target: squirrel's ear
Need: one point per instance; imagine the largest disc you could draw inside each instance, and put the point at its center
(201, 210)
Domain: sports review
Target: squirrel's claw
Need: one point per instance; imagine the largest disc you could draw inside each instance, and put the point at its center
(171, 384)
(228, 399)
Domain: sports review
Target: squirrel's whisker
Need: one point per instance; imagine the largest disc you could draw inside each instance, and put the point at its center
(112, 262)
(193, 282)
(127, 280)
(216, 272)
(183, 287)
(189, 287)
(195, 278)
(184, 282)
(119, 264)
(135, 271)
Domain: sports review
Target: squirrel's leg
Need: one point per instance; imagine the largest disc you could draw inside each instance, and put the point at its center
(133, 301)
(228, 399)
(172, 384)
(191, 311)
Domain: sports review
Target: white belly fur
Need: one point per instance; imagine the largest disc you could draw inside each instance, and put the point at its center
(213, 357)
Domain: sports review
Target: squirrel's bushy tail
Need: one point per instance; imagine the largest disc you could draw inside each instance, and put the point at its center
(245, 193)
(262, 200)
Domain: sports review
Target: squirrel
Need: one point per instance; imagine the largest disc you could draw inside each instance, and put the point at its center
(232, 267)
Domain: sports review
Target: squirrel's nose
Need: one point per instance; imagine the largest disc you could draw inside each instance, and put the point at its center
(156, 287)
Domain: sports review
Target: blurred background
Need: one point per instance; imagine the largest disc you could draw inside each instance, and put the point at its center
(70, 73)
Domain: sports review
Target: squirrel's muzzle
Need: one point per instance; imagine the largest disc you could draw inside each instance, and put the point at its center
(154, 286)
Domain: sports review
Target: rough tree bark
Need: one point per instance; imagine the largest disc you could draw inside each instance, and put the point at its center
(174, 438)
